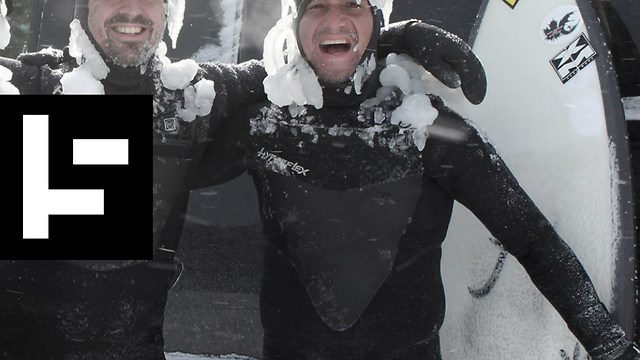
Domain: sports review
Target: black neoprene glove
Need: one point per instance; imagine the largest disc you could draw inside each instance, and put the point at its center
(51, 57)
(442, 53)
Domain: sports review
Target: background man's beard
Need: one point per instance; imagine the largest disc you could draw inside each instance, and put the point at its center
(135, 56)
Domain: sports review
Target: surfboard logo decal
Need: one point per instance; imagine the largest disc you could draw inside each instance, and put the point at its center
(512, 3)
(559, 23)
(573, 58)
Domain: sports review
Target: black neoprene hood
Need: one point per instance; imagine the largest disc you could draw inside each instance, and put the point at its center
(81, 13)
(378, 23)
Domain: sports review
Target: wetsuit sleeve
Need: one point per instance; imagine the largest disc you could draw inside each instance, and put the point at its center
(25, 77)
(225, 156)
(473, 173)
(236, 85)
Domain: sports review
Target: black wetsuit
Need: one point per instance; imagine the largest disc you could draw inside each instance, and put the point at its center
(93, 310)
(355, 216)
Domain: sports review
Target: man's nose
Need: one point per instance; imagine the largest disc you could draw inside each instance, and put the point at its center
(335, 16)
(132, 8)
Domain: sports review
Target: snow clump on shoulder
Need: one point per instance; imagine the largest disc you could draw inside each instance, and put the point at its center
(415, 112)
(198, 98)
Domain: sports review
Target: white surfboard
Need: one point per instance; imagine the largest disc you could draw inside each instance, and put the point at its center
(547, 117)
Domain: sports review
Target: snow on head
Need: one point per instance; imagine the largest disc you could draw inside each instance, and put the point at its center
(85, 79)
(294, 84)
(290, 80)
(82, 49)
(281, 36)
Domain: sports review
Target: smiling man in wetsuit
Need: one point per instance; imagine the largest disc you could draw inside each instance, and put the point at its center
(356, 204)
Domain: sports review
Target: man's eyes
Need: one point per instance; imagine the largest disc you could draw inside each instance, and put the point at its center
(313, 6)
(351, 5)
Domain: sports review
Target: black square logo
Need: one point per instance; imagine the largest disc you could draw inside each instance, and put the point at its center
(86, 176)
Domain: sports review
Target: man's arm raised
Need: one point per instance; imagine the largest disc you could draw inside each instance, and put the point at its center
(442, 53)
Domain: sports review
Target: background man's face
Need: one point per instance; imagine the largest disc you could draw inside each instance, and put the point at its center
(334, 35)
(127, 31)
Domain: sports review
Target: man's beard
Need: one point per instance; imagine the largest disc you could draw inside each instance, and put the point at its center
(137, 54)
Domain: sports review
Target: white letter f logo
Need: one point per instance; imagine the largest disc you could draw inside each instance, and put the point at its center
(38, 201)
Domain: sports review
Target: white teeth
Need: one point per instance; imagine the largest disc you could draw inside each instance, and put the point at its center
(334, 42)
(129, 29)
